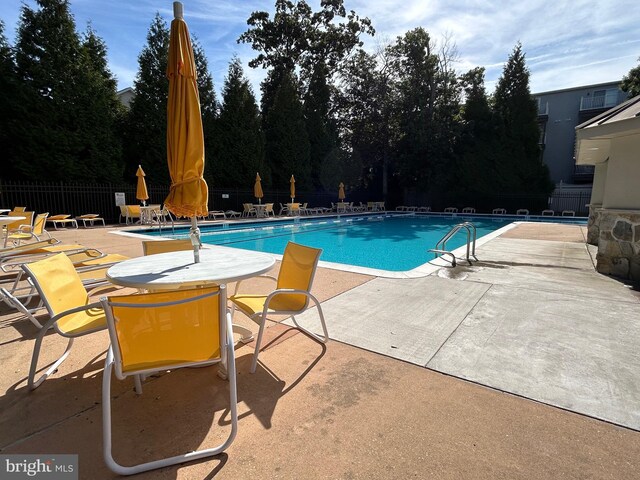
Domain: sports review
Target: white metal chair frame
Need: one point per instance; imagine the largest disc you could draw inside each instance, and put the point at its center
(114, 362)
(261, 317)
(52, 322)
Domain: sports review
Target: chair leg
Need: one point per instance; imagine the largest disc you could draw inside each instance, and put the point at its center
(324, 339)
(254, 362)
(34, 360)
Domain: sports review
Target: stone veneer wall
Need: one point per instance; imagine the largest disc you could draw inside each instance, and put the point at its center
(617, 234)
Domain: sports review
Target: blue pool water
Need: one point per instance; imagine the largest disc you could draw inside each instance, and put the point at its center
(395, 243)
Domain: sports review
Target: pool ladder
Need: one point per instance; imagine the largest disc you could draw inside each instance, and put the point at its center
(441, 246)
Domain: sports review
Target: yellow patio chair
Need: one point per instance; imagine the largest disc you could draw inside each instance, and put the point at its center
(67, 302)
(160, 331)
(15, 226)
(132, 212)
(27, 232)
(19, 209)
(151, 247)
(291, 297)
(91, 266)
(268, 210)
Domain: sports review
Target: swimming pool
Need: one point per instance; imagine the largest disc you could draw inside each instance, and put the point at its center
(394, 243)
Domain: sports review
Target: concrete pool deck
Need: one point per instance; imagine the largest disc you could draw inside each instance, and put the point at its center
(531, 320)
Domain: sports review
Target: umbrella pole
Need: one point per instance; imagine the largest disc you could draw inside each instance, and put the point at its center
(194, 233)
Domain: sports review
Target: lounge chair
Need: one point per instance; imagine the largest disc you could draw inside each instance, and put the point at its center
(233, 213)
(28, 232)
(62, 220)
(468, 210)
(548, 213)
(522, 211)
(90, 218)
(568, 213)
(424, 209)
(499, 211)
(213, 214)
(291, 297)
(181, 328)
(451, 210)
(68, 303)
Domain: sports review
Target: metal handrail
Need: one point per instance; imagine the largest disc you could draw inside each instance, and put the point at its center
(441, 245)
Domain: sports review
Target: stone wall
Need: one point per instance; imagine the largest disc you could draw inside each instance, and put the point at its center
(593, 225)
(618, 240)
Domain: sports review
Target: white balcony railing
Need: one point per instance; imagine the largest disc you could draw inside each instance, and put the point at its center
(611, 99)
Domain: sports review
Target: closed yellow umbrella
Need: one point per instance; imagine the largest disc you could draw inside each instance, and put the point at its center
(189, 194)
(141, 190)
(257, 189)
(341, 195)
(292, 188)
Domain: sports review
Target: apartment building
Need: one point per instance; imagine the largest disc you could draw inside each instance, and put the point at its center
(559, 112)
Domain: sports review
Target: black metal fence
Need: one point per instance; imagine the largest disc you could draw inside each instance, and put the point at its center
(77, 199)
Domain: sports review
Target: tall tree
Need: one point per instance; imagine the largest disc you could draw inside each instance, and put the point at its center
(631, 81)
(297, 37)
(99, 112)
(209, 108)
(415, 64)
(10, 102)
(520, 168)
(239, 133)
(287, 144)
(365, 120)
(315, 45)
(321, 129)
(145, 135)
(476, 173)
(58, 73)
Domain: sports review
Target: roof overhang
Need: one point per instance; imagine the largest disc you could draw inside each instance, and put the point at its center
(593, 138)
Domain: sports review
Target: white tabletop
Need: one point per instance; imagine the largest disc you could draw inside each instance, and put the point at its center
(5, 219)
(166, 271)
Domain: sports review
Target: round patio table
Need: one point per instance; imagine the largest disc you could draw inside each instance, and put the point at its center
(168, 271)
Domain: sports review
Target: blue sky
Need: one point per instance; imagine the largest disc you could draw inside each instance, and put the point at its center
(567, 43)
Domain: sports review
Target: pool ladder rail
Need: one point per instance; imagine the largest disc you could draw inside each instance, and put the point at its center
(441, 246)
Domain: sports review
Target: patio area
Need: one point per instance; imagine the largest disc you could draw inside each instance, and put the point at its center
(526, 352)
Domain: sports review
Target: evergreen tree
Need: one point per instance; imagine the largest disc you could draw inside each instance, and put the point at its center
(63, 134)
(99, 113)
(414, 65)
(631, 81)
(240, 136)
(145, 135)
(209, 110)
(287, 144)
(146, 131)
(476, 174)
(10, 102)
(520, 168)
(320, 126)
